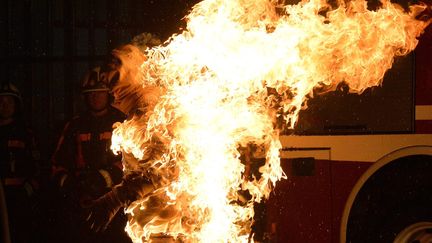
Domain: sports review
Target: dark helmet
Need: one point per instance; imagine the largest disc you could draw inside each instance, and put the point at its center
(94, 81)
(146, 40)
(10, 89)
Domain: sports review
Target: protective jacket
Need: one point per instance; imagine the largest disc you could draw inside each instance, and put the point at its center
(84, 147)
(135, 100)
(19, 159)
(18, 154)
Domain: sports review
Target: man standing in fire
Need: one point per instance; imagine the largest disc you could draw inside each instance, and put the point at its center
(18, 164)
(141, 181)
(83, 165)
(121, 73)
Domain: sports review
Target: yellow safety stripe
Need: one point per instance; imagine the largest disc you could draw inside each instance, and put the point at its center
(105, 136)
(84, 137)
(16, 144)
(14, 181)
(62, 180)
(107, 177)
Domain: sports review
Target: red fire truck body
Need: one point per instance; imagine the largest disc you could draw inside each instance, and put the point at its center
(361, 187)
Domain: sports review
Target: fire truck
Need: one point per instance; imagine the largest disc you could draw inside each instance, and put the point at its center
(359, 167)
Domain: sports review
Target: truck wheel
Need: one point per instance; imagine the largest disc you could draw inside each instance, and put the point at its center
(394, 204)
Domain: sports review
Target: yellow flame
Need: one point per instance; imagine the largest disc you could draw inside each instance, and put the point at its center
(238, 65)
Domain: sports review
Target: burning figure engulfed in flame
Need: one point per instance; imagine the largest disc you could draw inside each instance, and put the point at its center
(220, 86)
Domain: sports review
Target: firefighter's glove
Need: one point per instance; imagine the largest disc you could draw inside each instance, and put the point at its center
(102, 210)
(133, 187)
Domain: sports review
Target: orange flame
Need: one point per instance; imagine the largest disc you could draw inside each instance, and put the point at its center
(238, 65)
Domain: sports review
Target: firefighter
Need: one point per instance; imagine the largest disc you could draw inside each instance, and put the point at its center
(83, 165)
(121, 73)
(19, 164)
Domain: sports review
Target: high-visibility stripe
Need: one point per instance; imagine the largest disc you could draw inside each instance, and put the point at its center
(14, 181)
(107, 177)
(16, 144)
(105, 136)
(84, 137)
(62, 180)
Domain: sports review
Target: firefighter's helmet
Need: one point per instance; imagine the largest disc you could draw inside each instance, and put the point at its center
(10, 89)
(94, 81)
(146, 40)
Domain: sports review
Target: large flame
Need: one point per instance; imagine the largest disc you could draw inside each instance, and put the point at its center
(224, 81)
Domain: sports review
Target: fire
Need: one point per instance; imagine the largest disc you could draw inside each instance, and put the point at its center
(223, 82)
